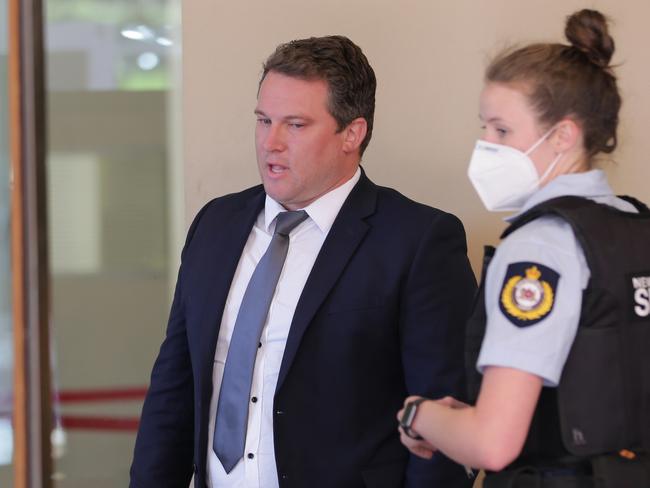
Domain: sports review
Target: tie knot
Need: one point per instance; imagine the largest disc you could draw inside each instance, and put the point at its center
(287, 221)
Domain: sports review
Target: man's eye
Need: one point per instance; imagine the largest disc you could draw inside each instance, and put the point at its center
(502, 132)
(264, 121)
(296, 125)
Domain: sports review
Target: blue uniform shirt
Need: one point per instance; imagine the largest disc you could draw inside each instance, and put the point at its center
(534, 284)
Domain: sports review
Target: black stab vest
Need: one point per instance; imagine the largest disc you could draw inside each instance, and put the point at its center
(602, 403)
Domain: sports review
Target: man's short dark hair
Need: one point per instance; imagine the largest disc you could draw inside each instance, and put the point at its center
(339, 62)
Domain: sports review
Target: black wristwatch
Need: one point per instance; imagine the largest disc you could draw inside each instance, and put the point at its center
(410, 410)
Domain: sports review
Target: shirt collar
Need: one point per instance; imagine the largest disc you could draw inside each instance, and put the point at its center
(589, 184)
(322, 211)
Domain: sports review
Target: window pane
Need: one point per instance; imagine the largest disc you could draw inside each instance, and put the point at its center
(110, 198)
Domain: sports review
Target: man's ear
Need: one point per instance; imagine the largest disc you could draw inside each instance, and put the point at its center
(567, 135)
(354, 134)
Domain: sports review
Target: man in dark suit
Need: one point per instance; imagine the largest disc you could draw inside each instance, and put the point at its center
(367, 306)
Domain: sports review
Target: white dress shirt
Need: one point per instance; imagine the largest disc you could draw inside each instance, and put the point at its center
(257, 468)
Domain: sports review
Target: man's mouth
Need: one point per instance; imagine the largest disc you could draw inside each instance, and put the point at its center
(276, 168)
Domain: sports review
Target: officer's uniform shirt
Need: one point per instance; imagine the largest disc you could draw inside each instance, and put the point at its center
(534, 284)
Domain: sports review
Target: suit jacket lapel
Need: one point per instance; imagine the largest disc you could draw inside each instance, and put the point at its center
(343, 239)
(229, 241)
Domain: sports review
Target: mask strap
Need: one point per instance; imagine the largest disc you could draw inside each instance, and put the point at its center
(550, 168)
(540, 140)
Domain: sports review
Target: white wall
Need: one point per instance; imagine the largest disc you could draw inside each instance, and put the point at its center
(429, 58)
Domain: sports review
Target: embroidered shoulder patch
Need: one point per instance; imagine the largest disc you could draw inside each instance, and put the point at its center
(528, 293)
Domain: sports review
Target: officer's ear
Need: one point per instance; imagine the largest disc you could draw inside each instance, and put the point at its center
(567, 135)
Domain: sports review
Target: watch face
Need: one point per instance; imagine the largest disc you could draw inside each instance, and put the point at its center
(408, 416)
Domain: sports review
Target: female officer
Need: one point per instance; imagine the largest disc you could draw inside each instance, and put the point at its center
(563, 317)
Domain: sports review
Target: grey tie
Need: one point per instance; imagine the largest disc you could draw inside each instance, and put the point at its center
(232, 409)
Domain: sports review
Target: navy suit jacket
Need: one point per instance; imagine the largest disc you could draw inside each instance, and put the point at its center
(382, 316)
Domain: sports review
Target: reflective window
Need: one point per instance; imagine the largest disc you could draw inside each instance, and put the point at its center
(6, 337)
(111, 123)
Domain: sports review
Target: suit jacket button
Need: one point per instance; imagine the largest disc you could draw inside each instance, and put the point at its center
(279, 412)
(284, 476)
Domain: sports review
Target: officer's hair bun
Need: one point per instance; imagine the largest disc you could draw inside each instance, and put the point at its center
(587, 31)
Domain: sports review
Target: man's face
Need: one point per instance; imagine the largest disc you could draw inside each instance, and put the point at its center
(300, 154)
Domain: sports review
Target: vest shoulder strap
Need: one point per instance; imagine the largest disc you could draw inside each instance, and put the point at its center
(638, 204)
(585, 217)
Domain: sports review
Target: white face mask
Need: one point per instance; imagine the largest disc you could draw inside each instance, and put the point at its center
(503, 176)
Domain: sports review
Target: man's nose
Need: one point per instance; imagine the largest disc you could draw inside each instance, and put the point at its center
(274, 138)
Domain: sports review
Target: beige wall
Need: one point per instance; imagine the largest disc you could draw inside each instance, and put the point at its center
(429, 58)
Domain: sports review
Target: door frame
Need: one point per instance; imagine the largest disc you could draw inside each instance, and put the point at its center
(29, 260)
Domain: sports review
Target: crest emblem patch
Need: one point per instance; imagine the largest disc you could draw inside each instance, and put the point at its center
(528, 293)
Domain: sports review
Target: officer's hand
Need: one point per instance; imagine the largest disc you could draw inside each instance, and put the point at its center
(420, 448)
(451, 402)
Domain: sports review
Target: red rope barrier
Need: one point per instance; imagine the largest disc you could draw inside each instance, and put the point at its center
(102, 395)
(105, 423)
(123, 424)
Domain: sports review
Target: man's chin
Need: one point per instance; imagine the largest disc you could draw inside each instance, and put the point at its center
(275, 193)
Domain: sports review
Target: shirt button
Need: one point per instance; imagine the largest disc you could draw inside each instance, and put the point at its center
(251, 455)
(259, 345)
(254, 399)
